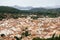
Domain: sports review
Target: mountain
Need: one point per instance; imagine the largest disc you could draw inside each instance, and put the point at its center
(41, 9)
(16, 12)
(28, 9)
(8, 9)
(22, 8)
(38, 9)
(31, 8)
(45, 10)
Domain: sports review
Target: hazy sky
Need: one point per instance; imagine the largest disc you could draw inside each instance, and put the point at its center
(35, 3)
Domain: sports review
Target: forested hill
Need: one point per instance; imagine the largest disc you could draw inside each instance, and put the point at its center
(8, 12)
(45, 9)
(6, 9)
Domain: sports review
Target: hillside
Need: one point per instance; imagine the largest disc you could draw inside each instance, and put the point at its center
(11, 12)
(45, 9)
(6, 9)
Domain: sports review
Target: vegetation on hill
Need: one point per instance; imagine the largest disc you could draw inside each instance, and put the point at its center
(10, 12)
(6, 9)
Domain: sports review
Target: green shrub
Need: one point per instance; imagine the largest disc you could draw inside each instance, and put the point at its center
(25, 34)
(2, 35)
(52, 38)
(37, 38)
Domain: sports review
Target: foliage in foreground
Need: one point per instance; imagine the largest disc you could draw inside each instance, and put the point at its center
(52, 38)
(36, 38)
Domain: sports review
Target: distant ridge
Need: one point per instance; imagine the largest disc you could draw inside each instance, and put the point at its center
(22, 8)
(30, 7)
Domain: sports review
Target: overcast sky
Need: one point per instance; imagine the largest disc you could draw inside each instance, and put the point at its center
(35, 3)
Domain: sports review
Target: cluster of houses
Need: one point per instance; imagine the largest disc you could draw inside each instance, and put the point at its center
(41, 27)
